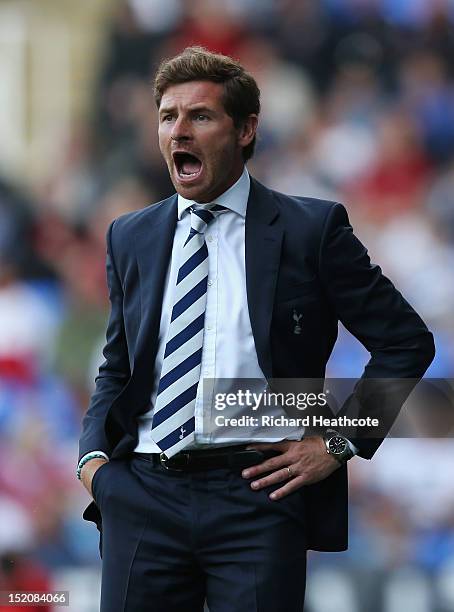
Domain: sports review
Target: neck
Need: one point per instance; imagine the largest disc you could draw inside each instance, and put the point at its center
(235, 177)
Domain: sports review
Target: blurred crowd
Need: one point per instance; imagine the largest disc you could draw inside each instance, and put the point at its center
(358, 106)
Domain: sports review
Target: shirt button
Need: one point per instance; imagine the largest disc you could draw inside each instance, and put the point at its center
(210, 282)
(210, 238)
(209, 327)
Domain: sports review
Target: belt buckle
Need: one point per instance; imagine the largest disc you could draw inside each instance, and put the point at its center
(163, 459)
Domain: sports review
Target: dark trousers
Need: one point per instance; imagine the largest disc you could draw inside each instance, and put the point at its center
(171, 540)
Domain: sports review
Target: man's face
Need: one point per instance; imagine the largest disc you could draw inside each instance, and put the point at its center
(199, 141)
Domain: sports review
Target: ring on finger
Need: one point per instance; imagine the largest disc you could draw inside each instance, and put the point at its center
(289, 470)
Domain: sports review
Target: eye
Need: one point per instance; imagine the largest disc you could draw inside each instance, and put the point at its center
(166, 118)
(202, 117)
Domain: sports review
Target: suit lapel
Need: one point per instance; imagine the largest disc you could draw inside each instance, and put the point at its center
(153, 244)
(263, 252)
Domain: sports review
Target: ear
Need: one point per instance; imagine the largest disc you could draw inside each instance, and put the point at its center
(247, 130)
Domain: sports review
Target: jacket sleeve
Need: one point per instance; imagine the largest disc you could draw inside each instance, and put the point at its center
(367, 303)
(114, 372)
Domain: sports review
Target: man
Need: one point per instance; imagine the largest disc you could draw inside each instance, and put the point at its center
(225, 280)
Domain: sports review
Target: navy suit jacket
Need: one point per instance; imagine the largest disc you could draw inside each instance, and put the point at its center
(301, 254)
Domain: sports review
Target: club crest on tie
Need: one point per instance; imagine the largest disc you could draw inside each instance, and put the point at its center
(297, 317)
(183, 431)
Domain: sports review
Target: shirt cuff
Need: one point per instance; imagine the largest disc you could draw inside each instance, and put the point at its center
(94, 452)
(353, 448)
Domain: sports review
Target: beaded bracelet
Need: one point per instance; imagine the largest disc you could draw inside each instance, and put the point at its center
(84, 460)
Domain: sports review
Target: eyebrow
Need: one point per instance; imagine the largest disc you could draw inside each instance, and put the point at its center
(195, 108)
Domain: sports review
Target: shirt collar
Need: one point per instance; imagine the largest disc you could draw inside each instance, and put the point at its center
(235, 198)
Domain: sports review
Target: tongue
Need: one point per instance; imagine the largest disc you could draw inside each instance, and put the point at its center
(189, 166)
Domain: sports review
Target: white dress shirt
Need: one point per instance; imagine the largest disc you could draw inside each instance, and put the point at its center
(228, 344)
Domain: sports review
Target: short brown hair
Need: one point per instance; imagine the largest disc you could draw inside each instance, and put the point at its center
(241, 93)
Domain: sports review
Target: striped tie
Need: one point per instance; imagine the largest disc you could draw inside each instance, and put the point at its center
(173, 417)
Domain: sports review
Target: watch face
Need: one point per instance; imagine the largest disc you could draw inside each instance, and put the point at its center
(337, 445)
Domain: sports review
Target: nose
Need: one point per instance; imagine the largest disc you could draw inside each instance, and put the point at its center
(180, 130)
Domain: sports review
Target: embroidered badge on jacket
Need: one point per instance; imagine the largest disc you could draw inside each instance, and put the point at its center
(297, 317)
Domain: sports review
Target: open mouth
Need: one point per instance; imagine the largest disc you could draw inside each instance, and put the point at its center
(188, 166)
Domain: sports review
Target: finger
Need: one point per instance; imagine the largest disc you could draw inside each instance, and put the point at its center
(277, 476)
(292, 485)
(274, 463)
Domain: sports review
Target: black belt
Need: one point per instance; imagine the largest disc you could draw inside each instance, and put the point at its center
(233, 457)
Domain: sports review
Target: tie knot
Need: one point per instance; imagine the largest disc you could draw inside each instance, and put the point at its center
(202, 216)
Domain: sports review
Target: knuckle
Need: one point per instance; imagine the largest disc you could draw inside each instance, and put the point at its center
(300, 463)
(304, 474)
(271, 465)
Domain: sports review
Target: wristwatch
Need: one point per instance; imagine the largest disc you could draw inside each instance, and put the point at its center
(337, 445)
